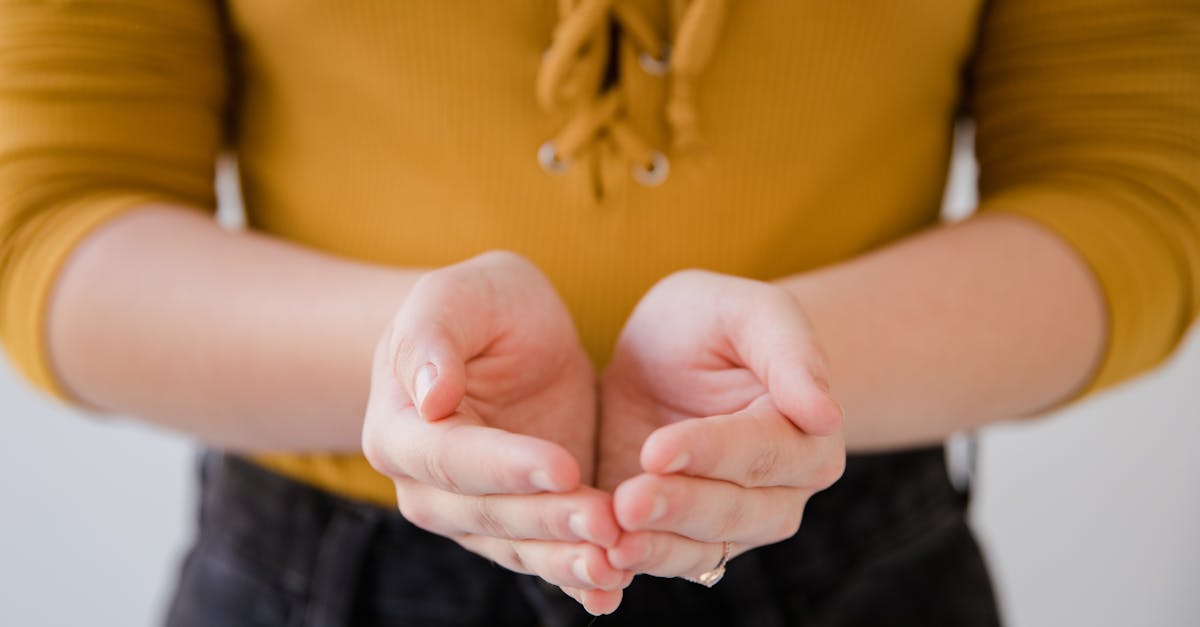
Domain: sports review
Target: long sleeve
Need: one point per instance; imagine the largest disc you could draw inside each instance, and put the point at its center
(1088, 122)
(104, 106)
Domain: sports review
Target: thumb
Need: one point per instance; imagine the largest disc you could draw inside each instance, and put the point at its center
(430, 367)
(797, 386)
(774, 339)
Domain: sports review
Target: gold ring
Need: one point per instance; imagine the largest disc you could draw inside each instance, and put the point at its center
(710, 578)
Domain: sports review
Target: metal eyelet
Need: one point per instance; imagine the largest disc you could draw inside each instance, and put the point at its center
(548, 158)
(656, 66)
(654, 173)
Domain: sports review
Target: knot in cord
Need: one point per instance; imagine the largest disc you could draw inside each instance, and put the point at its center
(572, 73)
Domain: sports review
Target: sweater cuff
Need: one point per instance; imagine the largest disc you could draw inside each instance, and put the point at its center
(1132, 264)
(33, 258)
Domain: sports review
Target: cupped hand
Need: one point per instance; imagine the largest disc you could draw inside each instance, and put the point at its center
(717, 424)
(483, 410)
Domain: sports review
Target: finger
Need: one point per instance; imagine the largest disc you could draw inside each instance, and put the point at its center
(596, 602)
(776, 342)
(663, 554)
(427, 355)
(458, 456)
(757, 447)
(583, 515)
(573, 565)
(708, 510)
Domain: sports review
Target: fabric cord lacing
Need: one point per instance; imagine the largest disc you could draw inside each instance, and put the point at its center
(572, 73)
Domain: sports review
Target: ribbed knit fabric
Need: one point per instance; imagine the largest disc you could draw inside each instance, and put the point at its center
(407, 133)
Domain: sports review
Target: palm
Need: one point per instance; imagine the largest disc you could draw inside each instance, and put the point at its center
(701, 345)
(659, 378)
(670, 364)
(537, 385)
(485, 343)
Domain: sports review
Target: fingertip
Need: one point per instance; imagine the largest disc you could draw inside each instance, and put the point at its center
(629, 551)
(521, 464)
(574, 593)
(568, 474)
(541, 482)
(558, 472)
(625, 506)
(665, 461)
(600, 602)
(655, 455)
(666, 450)
(635, 502)
(598, 527)
(810, 408)
(563, 470)
(593, 568)
(607, 533)
(594, 602)
(438, 389)
(824, 414)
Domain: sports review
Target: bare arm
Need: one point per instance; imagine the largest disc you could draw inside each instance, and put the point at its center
(1087, 119)
(990, 319)
(239, 339)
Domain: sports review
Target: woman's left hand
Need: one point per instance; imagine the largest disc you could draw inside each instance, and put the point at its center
(717, 424)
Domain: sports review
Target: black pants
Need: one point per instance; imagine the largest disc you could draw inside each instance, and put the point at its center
(887, 545)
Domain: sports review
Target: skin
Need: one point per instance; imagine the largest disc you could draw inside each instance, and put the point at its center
(947, 330)
(482, 410)
(141, 324)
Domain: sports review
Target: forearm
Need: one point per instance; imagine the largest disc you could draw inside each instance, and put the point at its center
(243, 341)
(950, 329)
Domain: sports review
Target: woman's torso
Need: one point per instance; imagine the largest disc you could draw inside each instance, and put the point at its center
(407, 134)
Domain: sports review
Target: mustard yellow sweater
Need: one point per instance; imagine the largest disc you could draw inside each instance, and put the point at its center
(610, 142)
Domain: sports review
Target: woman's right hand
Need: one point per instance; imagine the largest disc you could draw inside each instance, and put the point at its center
(483, 411)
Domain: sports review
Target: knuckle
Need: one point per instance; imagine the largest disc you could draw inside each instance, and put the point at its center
(762, 467)
(520, 563)
(418, 512)
(702, 560)
(731, 520)
(485, 519)
(376, 451)
(546, 528)
(655, 556)
(789, 524)
(436, 472)
(832, 470)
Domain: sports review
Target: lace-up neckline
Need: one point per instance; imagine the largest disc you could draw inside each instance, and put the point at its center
(572, 78)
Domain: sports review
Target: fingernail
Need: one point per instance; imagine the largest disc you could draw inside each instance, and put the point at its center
(579, 569)
(540, 479)
(660, 508)
(679, 463)
(578, 524)
(423, 382)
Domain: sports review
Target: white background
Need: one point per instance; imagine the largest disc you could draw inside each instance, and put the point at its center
(1090, 517)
